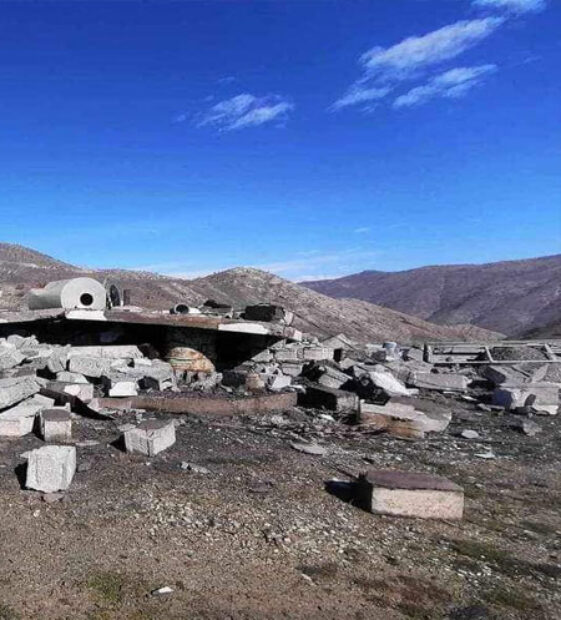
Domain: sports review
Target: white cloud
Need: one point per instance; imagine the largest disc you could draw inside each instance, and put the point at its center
(361, 231)
(361, 94)
(383, 68)
(450, 84)
(516, 6)
(245, 110)
(413, 53)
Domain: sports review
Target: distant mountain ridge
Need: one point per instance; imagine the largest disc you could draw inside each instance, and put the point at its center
(22, 269)
(512, 297)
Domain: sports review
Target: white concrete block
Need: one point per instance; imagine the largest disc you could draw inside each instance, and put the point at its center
(51, 468)
(410, 494)
(150, 438)
(56, 424)
(66, 376)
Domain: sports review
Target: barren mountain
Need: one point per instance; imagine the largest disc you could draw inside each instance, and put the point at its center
(511, 297)
(22, 269)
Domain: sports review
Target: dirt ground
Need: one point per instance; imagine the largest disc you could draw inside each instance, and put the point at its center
(261, 535)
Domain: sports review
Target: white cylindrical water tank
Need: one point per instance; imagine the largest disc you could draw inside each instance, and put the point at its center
(77, 293)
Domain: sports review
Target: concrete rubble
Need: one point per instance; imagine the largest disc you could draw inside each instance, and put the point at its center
(410, 494)
(208, 360)
(50, 468)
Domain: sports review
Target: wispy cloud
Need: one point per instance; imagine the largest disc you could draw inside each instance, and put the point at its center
(384, 68)
(514, 6)
(450, 84)
(358, 93)
(245, 110)
(411, 54)
(362, 231)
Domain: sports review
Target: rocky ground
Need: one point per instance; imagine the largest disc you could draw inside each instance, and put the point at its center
(257, 529)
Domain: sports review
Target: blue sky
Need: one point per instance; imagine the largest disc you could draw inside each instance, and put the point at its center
(313, 139)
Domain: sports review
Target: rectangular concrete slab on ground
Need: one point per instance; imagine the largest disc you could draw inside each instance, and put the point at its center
(150, 438)
(50, 468)
(410, 494)
(448, 382)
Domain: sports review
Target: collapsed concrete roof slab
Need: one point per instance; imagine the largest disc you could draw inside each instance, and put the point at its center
(213, 323)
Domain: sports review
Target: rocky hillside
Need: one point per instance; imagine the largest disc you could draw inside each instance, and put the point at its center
(512, 297)
(22, 269)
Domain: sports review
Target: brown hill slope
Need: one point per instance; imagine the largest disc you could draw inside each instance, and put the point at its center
(21, 269)
(320, 314)
(511, 296)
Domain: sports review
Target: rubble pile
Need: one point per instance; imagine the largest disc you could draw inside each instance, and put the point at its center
(405, 392)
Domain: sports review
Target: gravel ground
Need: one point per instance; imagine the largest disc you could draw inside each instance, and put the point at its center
(261, 536)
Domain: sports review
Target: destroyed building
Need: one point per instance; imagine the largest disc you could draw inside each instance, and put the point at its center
(79, 351)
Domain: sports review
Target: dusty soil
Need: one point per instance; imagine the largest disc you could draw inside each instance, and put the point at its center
(260, 535)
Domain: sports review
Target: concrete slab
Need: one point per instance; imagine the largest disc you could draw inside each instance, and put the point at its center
(410, 494)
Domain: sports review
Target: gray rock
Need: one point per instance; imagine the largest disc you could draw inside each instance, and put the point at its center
(309, 448)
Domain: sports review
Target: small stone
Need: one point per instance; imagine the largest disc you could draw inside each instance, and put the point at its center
(469, 434)
(309, 448)
(528, 427)
(196, 469)
(486, 455)
(161, 591)
(51, 498)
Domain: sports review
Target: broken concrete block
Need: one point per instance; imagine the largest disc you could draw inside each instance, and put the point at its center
(279, 382)
(541, 398)
(10, 357)
(125, 351)
(120, 386)
(398, 420)
(56, 424)
(410, 494)
(19, 420)
(387, 382)
(329, 398)
(83, 391)
(287, 355)
(331, 377)
(267, 313)
(66, 376)
(93, 367)
(51, 468)
(293, 369)
(58, 360)
(505, 374)
(15, 389)
(265, 356)
(449, 382)
(414, 355)
(317, 353)
(150, 438)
